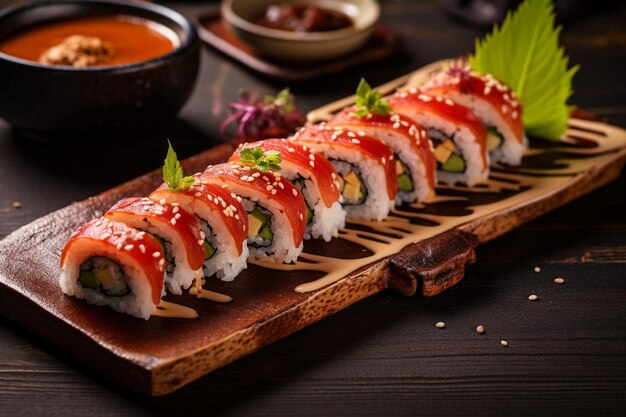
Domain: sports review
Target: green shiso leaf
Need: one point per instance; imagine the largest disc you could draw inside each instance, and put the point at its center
(524, 53)
(370, 101)
(255, 158)
(173, 172)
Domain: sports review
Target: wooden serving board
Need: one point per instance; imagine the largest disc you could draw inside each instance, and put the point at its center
(421, 247)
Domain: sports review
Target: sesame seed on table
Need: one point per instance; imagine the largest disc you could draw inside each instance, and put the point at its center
(497, 354)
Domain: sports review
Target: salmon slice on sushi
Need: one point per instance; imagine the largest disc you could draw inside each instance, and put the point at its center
(495, 104)
(223, 225)
(459, 138)
(315, 177)
(366, 169)
(275, 208)
(178, 232)
(108, 263)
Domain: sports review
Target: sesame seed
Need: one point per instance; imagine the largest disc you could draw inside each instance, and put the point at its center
(162, 201)
(200, 242)
(301, 216)
(396, 125)
(559, 280)
(173, 221)
(449, 102)
(412, 90)
(504, 343)
(161, 262)
(237, 216)
(532, 297)
(384, 160)
(356, 141)
(16, 205)
(175, 210)
(156, 254)
(480, 329)
(129, 247)
(312, 157)
(440, 325)
(537, 269)
(294, 191)
(118, 246)
(360, 133)
(198, 194)
(256, 175)
(291, 150)
(175, 205)
(106, 236)
(273, 192)
(142, 248)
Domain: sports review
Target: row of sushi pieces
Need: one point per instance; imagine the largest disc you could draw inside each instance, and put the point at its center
(272, 194)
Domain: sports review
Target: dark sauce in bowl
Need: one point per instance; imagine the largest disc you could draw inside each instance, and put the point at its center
(303, 18)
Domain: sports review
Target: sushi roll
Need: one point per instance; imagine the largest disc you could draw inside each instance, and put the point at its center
(315, 177)
(276, 209)
(495, 104)
(223, 227)
(414, 159)
(365, 166)
(178, 232)
(458, 136)
(108, 263)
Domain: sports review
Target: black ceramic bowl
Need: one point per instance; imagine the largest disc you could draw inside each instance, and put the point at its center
(67, 102)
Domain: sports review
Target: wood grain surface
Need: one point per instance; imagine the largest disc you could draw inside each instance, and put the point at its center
(382, 356)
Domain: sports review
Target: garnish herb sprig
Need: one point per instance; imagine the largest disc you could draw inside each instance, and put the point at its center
(173, 172)
(370, 101)
(524, 52)
(264, 161)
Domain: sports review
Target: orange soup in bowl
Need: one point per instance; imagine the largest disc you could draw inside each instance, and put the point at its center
(97, 41)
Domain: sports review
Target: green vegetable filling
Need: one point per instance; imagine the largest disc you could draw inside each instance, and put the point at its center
(102, 274)
(208, 250)
(309, 214)
(405, 183)
(454, 164)
(259, 225)
(88, 279)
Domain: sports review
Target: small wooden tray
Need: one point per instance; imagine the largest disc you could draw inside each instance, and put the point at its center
(158, 356)
(213, 32)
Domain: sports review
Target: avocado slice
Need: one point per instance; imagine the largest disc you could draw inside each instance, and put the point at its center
(258, 225)
(208, 250)
(256, 220)
(404, 183)
(455, 164)
(309, 214)
(266, 233)
(88, 279)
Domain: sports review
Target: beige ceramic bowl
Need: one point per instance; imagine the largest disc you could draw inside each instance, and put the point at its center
(239, 16)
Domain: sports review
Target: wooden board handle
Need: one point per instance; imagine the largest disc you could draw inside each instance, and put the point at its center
(437, 266)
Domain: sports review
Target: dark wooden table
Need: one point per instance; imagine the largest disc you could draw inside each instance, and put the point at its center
(382, 356)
